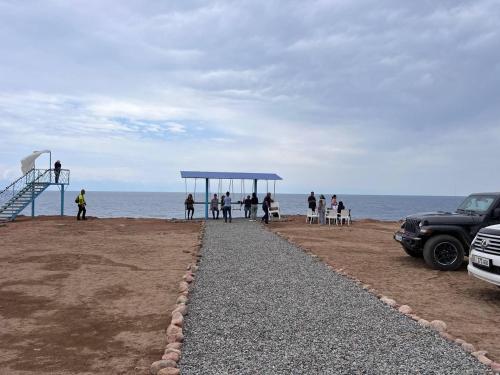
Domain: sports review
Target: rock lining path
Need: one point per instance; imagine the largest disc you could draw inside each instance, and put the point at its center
(260, 305)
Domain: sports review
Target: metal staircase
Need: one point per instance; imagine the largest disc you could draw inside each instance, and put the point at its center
(22, 192)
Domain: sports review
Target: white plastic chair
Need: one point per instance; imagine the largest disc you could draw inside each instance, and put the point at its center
(345, 215)
(311, 215)
(274, 210)
(331, 214)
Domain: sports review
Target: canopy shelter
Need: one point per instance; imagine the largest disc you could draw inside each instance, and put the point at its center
(231, 176)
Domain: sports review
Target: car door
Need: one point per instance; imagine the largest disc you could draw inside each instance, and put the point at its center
(492, 218)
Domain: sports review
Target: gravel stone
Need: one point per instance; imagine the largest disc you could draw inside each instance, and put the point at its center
(260, 305)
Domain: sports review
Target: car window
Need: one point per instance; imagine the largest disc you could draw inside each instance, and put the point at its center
(477, 203)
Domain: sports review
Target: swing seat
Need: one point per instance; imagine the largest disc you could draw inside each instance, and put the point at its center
(274, 210)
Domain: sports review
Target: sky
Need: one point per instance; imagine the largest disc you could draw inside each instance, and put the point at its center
(358, 97)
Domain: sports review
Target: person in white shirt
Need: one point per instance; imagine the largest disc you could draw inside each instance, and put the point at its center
(226, 209)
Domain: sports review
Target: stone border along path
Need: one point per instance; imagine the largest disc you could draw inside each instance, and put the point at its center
(173, 352)
(260, 305)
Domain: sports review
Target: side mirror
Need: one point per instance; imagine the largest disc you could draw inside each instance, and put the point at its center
(496, 213)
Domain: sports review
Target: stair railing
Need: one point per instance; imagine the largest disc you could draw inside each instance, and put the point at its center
(14, 188)
(33, 176)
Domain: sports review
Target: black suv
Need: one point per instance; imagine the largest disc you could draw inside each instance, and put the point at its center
(444, 238)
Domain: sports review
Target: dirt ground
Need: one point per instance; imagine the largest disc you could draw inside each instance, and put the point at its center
(366, 250)
(89, 297)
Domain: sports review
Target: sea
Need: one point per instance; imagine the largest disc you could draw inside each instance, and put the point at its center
(107, 204)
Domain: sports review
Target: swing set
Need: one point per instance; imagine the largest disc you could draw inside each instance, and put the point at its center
(231, 177)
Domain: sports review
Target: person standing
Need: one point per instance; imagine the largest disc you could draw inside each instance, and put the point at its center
(254, 206)
(214, 207)
(226, 209)
(57, 170)
(81, 205)
(311, 200)
(189, 202)
(321, 209)
(266, 203)
(248, 206)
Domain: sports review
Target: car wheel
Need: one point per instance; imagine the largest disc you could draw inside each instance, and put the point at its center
(416, 253)
(444, 253)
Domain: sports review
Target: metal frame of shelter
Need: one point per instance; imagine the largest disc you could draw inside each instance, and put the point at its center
(207, 176)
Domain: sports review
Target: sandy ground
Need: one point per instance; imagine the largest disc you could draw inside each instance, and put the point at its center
(89, 297)
(470, 307)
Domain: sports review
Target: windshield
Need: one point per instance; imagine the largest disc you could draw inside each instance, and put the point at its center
(477, 203)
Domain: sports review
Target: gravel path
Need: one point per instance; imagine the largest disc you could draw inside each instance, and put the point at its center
(262, 306)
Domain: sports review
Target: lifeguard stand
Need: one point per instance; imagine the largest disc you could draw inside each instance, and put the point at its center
(24, 191)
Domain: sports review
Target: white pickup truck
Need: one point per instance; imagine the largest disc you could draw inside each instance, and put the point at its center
(484, 256)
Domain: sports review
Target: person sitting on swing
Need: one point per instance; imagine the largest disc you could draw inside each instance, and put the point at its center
(214, 206)
(189, 202)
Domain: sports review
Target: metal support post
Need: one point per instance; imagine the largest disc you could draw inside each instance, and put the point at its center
(33, 199)
(206, 199)
(255, 186)
(50, 166)
(62, 199)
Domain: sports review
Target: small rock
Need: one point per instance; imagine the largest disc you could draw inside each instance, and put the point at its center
(366, 286)
(424, 323)
(169, 371)
(414, 317)
(177, 319)
(172, 350)
(174, 334)
(173, 329)
(405, 309)
(479, 352)
(388, 301)
(181, 299)
(460, 341)
(189, 266)
(174, 346)
(181, 307)
(172, 356)
(484, 360)
(185, 293)
(495, 366)
(158, 365)
(183, 286)
(188, 278)
(438, 325)
(468, 347)
(373, 291)
(447, 336)
(194, 268)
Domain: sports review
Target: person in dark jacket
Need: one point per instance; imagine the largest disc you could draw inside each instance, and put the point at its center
(254, 206)
(340, 208)
(189, 202)
(248, 205)
(57, 170)
(266, 203)
(311, 200)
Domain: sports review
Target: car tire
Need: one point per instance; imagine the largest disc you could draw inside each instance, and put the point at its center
(416, 253)
(444, 252)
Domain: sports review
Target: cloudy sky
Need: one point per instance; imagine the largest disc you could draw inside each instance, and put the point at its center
(367, 96)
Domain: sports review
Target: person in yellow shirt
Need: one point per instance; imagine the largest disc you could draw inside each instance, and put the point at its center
(81, 205)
